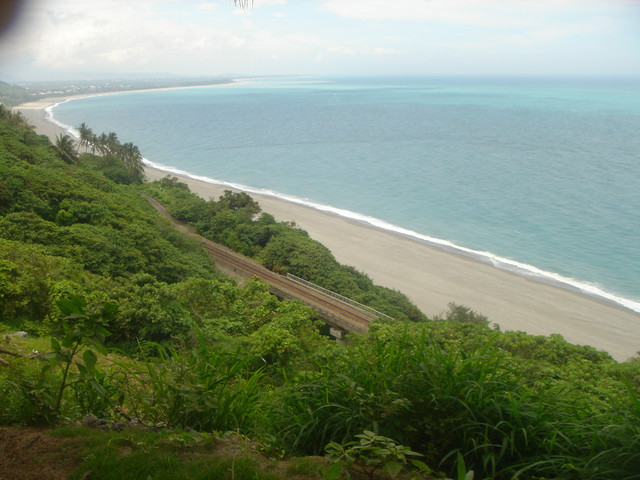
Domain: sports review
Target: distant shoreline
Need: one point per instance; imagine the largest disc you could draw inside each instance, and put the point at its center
(55, 100)
(431, 276)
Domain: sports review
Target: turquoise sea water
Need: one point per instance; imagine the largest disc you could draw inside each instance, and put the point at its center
(539, 176)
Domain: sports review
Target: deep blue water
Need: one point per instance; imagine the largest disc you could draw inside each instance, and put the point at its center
(541, 176)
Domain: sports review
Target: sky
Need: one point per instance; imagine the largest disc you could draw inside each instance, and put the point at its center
(92, 39)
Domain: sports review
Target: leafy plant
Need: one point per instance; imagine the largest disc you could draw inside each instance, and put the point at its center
(28, 395)
(201, 388)
(79, 331)
(370, 453)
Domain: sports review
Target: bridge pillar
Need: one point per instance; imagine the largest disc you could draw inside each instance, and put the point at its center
(337, 333)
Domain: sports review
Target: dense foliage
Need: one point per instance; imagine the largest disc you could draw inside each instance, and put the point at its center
(136, 323)
(12, 95)
(237, 221)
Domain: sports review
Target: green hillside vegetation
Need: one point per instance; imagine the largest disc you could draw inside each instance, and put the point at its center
(236, 220)
(12, 95)
(129, 321)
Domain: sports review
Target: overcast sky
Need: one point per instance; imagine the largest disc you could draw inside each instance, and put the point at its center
(65, 39)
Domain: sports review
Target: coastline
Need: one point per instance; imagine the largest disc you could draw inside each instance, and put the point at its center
(431, 276)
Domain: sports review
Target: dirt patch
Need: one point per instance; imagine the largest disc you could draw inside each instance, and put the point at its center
(29, 453)
(32, 454)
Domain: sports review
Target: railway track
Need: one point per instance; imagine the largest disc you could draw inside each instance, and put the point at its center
(332, 310)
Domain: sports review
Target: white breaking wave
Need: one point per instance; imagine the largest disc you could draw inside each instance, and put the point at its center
(50, 118)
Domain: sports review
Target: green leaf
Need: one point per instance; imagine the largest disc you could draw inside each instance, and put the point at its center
(102, 331)
(461, 468)
(100, 348)
(423, 467)
(109, 311)
(72, 305)
(55, 345)
(90, 359)
(411, 452)
(393, 468)
(97, 387)
(334, 472)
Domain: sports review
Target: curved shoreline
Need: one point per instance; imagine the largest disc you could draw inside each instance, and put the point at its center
(501, 263)
(432, 275)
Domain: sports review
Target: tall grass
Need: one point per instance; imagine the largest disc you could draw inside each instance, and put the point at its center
(339, 399)
(28, 394)
(200, 388)
(451, 402)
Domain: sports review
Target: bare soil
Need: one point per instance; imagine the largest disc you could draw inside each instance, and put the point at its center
(28, 453)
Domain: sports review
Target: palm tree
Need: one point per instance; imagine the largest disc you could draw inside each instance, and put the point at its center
(66, 148)
(131, 156)
(102, 142)
(14, 119)
(93, 142)
(106, 144)
(113, 144)
(86, 135)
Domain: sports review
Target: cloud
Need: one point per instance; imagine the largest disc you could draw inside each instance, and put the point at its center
(342, 50)
(207, 6)
(110, 34)
(465, 12)
(211, 36)
(267, 3)
(485, 14)
(383, 51)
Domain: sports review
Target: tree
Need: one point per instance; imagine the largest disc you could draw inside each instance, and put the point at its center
(14, 119)
(132, 158)
(102, 142)
(108, 144)
(78, 332)
(66, 148)
(87, 138)
(113, 144)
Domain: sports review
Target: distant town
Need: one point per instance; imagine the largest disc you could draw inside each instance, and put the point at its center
(15, 94)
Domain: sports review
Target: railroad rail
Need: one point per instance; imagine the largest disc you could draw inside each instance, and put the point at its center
(358, 305)
(336, 311)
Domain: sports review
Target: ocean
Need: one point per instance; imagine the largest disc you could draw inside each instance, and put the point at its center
(540, 176)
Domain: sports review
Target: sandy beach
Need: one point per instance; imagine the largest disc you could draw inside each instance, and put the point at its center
(432, 277)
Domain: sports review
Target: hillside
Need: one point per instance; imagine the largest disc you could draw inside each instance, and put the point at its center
(12, 95)
(128, 320)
